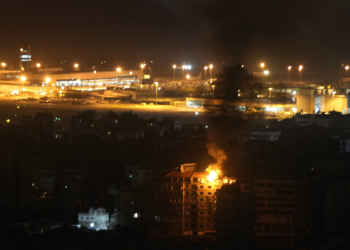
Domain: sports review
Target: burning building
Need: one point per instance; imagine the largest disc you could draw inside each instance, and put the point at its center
(188, 202)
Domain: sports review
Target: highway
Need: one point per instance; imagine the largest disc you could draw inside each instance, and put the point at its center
(15, 110)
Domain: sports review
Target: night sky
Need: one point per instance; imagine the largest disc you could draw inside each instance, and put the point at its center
(279, 32)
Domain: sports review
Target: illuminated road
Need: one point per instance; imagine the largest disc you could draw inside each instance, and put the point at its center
(14, 110)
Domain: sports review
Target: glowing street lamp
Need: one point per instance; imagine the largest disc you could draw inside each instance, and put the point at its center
(270, 94)
(174, 67)
(156, 83)
(205, 72)
(188, 76)
(3, 65)
(266, 72)
(213, 86)
(119, 69)
(262, 65)
(333, 98)
(76, 65)
(130, 72)
(47, 79)
(300, 70)
(142, 66)
(38, 65)
(23, 78)
(289, 68)
(210, 69)
(346, 70)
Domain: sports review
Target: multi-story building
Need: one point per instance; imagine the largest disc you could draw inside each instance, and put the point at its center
(287, 210)
(235, 217)
(97, 219)
(188, 203)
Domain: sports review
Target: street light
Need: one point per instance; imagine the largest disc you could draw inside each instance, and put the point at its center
(23, 79)
(119, 69)
(174, 67)
(205, 72)
(289, 68)
(76, 65)
(270, 94)
(142, 66)
(346, 70)
(3, 65)
(300, 69)
(130, 72)
(210, 67)
(266, 72)
(47, 79)
(262, 65)
(156, 83)
(213, 86)
(38, 65)
(188, 76)
(333, 98)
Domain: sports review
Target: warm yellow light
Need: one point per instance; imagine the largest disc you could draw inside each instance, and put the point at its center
(266, 72)
(94, 71)
(289, 67)
(205, 67)
(183, 66)
(174, 66)
(347, 67)
(76, 65)
(143, 65)
(212, 176)
(119, 69)
(262, 65)
(3, 64)
(270, 89)
(300, 67)
(211, 66)
(38, 65)
(22, 68)
(156, 83)
(23, 78)
(188, 76)
(53, 85)
(130, 72)
(47, 79)
(8, 120)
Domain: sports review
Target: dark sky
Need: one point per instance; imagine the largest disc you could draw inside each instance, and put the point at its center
(279, 32)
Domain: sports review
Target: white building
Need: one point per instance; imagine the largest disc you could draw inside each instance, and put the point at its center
(97, 219)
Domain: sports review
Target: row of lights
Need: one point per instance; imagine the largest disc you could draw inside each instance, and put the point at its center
(189, 67)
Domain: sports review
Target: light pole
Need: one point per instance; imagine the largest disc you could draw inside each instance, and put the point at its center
(270, 94)
(333, 98)
(210, 69)
(174, 67)
(213, 86)
(300, 71)
(266, 72)
(346, 70)
(156, 83)
(142, 66)
(183, 69)
(3, 65)
(205, 72)
(23, 79)
(289, 68)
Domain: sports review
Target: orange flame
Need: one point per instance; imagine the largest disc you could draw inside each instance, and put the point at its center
(212, 176)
